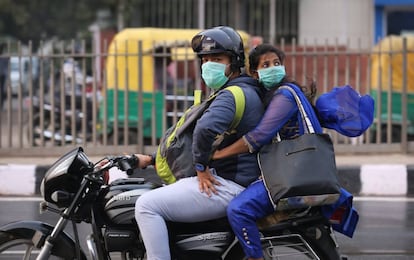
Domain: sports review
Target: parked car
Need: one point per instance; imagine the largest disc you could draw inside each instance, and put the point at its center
(21, 75)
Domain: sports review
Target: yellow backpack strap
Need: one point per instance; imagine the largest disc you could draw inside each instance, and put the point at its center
(161, 163)
(197, 96)
(240, 101)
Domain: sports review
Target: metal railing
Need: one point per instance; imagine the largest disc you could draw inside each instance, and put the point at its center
(52, 106)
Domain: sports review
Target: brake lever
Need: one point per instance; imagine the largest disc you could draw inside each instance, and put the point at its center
(100, 167)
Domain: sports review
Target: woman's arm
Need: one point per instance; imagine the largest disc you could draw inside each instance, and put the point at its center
(279, 111)
(235, 148)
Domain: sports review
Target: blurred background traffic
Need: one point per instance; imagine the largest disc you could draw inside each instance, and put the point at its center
(113, 75)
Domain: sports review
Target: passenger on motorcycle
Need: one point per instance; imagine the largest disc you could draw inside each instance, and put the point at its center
(266, 65)
(206, 196)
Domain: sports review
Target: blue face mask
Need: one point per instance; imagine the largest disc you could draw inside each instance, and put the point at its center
(271, 76)
(213, 74)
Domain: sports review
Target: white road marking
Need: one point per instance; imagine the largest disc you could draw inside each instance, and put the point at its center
(17, 179)
(383, 179)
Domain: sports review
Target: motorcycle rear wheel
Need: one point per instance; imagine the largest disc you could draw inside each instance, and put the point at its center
(295, 246)
(288, 251)
(278, 249)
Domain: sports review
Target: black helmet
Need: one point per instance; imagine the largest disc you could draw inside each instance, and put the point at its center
(218, 40)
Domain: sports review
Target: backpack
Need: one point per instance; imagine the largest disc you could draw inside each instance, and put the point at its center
(174, 159)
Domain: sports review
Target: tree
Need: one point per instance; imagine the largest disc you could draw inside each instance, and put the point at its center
(36, 20)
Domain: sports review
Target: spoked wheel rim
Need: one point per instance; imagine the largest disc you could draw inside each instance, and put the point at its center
(23, 248)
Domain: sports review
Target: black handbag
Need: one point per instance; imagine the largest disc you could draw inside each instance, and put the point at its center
(300, 172)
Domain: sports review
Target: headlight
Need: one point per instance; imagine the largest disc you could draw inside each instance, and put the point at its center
(42, 188)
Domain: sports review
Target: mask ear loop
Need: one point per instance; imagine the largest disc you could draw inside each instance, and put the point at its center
(231, 70)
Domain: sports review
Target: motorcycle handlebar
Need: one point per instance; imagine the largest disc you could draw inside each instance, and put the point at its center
(128, 163)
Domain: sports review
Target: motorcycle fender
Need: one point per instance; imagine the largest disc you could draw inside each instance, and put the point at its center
(322, 241)
(38, 231)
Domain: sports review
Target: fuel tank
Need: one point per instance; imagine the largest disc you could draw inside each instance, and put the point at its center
(121, 197)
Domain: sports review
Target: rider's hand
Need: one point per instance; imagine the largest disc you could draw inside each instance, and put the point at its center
(144, 160)
(207, 182)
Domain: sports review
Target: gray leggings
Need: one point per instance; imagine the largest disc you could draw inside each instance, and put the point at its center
(182, 202)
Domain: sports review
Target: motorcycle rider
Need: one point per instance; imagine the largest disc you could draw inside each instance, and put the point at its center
(206, 196)
(266, 64)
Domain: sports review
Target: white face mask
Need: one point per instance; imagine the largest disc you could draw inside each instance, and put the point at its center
(214, 74)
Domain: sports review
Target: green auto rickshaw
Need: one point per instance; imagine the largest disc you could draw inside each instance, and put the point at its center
(151, 73)
(392, 79)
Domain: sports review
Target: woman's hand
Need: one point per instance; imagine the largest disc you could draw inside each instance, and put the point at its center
(216, 155)
(238, 147)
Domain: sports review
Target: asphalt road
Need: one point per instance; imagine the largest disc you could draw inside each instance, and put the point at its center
(385, 230)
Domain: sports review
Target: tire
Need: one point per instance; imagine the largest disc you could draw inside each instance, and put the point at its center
(17, 242)
(287, 249)
(18, 247)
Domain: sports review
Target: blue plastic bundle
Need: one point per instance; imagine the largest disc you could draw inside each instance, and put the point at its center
(345, 110)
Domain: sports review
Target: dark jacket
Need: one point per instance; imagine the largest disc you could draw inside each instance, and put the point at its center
(243, 168)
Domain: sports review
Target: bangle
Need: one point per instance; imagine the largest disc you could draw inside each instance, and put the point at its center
(246, 143)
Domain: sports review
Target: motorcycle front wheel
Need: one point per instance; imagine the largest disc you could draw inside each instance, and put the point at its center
(13, 247)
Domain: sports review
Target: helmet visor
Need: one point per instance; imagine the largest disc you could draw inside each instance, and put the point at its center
(203, 44)
(196, 43)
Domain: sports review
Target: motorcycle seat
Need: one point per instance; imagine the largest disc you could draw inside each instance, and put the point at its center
(283, 217)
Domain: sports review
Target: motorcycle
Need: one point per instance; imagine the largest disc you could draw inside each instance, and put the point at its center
(78, 191)
(62, 122)
(52, 124)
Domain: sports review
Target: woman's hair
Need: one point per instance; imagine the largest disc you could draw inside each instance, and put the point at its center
(254, 58)
(258, 51)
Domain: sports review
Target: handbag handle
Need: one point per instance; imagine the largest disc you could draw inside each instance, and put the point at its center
(305, 117)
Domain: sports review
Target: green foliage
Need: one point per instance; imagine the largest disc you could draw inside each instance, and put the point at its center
(36, 20)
